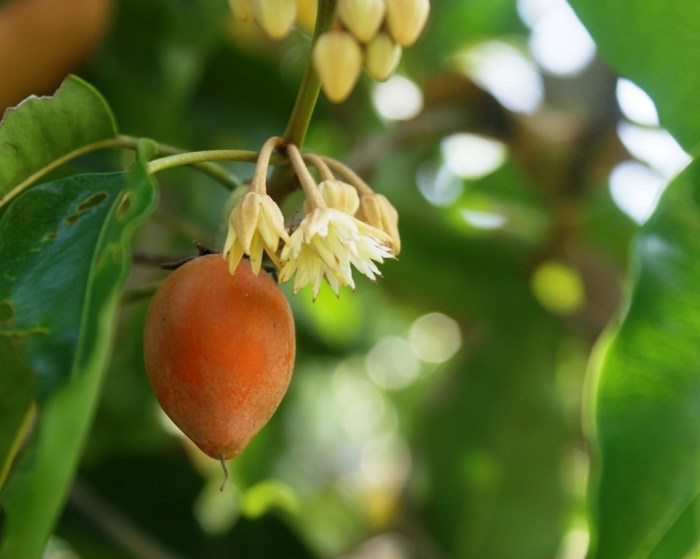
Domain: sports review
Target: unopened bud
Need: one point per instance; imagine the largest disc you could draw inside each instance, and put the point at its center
(406, 19)
(362, 17)
(337, 59)
(339, 195)
(382, 56)
(306, 13)
(242, 9)
(276, 17)
(377, 211)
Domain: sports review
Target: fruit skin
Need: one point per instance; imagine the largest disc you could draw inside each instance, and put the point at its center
(219, 352)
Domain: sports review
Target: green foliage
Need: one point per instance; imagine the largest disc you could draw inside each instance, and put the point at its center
(655, 44)
(41, 130)
(69, 244)
(435, 414)
(646, 398)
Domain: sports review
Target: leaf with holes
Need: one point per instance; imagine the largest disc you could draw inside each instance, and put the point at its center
(66, 253)
(41, 130)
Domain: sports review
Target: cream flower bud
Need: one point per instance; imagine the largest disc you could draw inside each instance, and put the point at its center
(377, 211)
(382, 56)
(339, 195)
(406, 19)
(337, 59)
(242, 9)
(276, 17)
(306, 13)
(362, 17)
(256, 225)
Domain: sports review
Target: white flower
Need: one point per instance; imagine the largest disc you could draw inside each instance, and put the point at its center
(326, 244)
(256, 224)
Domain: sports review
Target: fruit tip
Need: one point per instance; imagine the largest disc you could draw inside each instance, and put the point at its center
(224, 466)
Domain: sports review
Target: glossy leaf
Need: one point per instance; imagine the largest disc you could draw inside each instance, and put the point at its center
(40, 130)
(655, 44)
(647, 398)
(67, 245)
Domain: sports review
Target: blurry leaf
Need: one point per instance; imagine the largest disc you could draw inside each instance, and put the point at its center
(153, 62)
(493, 444)
(42, 129)
(66, 246)
(647, 398)
(16, 408)
(667, 66)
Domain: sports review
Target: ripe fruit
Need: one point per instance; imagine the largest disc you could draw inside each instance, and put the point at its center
(219, 352)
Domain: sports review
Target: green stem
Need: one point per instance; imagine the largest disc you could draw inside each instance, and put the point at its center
(120, 142)
(310, 87)
(282, 182)
(194, 157)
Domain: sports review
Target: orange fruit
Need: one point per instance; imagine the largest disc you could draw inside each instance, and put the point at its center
(219, 352)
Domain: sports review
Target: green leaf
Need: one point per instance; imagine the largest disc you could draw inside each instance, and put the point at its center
(647, 397)
(67, 245)
(655, 44)
(41, 130)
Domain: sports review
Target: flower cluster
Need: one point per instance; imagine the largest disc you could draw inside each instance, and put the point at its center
(363, 33)
(275, 17)
(369, 33)
(345, 225)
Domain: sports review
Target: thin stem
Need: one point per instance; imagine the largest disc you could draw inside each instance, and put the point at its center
(193, 157)
(263, 162)
(281, 183)
(121, 142)
(310, 87)
(308, 184)
(118, 142)
(18, 442)
(118, 527)
(319, 164)
(351, 176)
(140, 293)
(217, 172)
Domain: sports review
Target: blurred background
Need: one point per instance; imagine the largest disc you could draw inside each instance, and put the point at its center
(438, 414)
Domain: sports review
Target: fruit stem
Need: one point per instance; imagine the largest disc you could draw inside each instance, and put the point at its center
(225, 468)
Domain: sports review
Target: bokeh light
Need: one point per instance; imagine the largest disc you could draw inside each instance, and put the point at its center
(435, 337)
(635, 188)
(398, 98)
(471, 156)
(507, 73)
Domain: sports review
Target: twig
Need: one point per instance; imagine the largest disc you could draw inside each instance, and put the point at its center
(116, 526)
